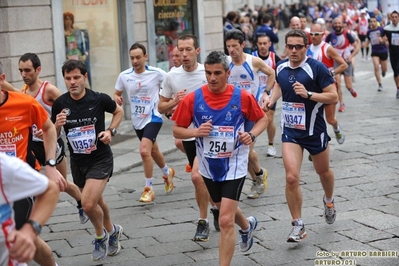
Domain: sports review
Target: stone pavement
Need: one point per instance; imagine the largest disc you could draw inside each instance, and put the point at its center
(366, 196)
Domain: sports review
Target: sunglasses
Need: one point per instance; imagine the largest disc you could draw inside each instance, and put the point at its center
(296, 46)
(316, 33)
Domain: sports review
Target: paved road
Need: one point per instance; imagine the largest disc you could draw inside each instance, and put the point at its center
(367, 198)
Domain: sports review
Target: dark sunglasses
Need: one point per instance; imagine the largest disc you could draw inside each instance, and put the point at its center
(316, 33)
(297, 46)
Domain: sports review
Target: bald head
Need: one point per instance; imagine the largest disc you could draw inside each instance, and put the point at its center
(317, 27)
(295, 23)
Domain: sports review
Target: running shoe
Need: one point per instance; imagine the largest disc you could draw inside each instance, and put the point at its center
(264, 180)
(202, 233)
(383, 73)
(100, 251)
(353, 92)
(83, 218)
(247, 239)
(379, 88)
(397, 94)
(169, 180)
(148, 195)
(215, 213)
(339, 135)
(114, 245)
(297, 232)
(188, 168)
(271, 151)
(341, 107)
(259, 186)
(329, 212)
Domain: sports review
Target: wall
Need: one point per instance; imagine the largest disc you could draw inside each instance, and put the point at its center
(26, 29)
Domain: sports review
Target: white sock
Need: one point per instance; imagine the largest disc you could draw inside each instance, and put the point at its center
(148, 182)
(113, 230)
(165, 170)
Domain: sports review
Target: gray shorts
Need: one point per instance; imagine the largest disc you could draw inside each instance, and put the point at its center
(348, 71)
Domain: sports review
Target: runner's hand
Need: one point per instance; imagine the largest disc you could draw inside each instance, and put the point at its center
(53, 174)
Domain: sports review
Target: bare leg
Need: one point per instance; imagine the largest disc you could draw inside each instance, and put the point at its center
(376, 63)
(229, 213)
(91, 197)
(330, 115)
(321, 163)
(271, 127)
(43, 255)
(157, 156)
(292, 159)
(71, 189)
(145, 153)
(201, 192)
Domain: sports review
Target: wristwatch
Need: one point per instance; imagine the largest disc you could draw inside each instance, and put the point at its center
(113, 131)
(252, 136)
(36, 226)
(50, 162)
(309, 94)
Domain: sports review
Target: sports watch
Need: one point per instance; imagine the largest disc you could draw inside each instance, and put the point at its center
(309, 94)
(36, 226)
(50, 162)
(113, 131)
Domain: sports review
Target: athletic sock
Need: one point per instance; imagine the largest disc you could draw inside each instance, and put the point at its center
(148, 182)
(205, 219)
(299, 221)
(79, 206)
(113, 230)
(260, 172)
(165, 170)
(328, 200)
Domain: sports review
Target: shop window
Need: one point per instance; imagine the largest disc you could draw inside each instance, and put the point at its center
(91, 35)
(172, 19)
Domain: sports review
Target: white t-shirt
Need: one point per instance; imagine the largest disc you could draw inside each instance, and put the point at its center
(17, 181)
(179, 79)
(143, 94)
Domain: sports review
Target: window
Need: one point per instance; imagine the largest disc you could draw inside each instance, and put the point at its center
(172, 19)
(94, 38)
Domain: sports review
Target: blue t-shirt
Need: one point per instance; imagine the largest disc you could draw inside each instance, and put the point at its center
(302, 117)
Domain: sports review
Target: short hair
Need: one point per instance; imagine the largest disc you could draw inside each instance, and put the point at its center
(33, 58)
(138, 46)
(297, 33)
(266, 18)
(263, 35)
(395, 12)
(189, 37)
(231, 15)
(1, 69)
(217, 57)
(234, 34)
(73, 64)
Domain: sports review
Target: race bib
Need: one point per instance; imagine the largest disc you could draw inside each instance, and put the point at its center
(140, 106)
(395, 39)
(82, 139)
(9, 149)
(294, 115)
(219, 143)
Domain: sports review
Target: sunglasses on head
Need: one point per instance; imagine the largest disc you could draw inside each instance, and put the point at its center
(316, 33)
(296, 46)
